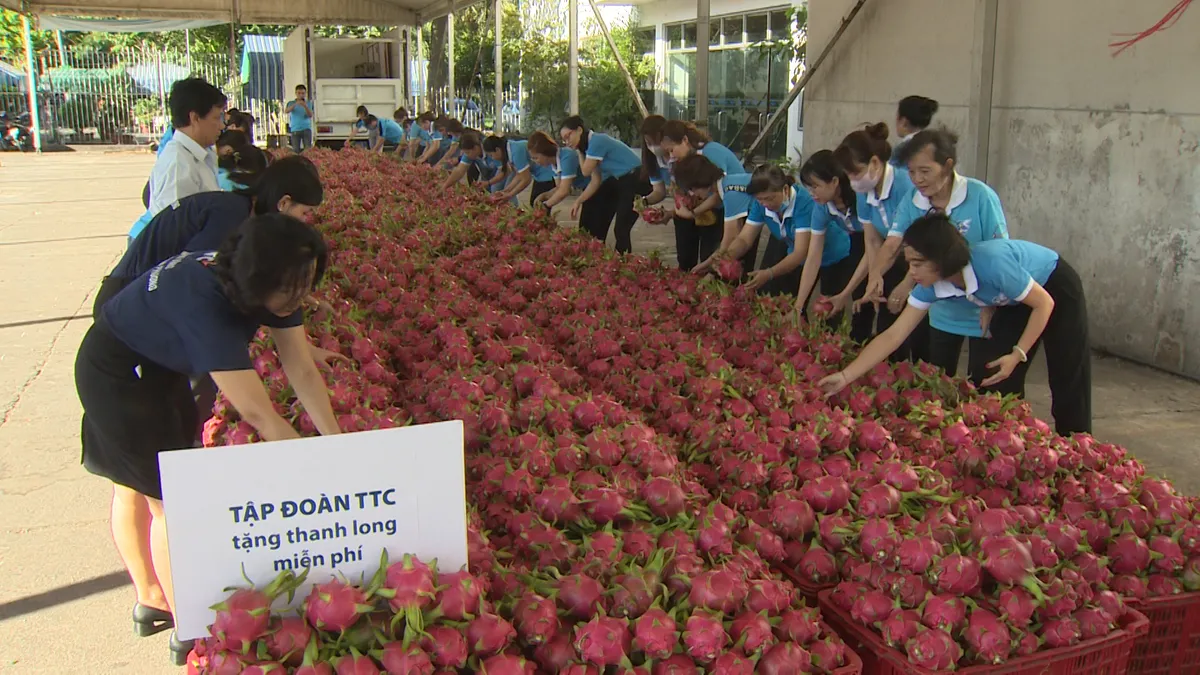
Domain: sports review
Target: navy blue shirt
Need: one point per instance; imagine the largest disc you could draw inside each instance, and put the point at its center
(198, 222)
(178, 316)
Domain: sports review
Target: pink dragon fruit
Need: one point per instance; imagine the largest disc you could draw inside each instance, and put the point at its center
(934, 649)
(654, 634)
(488, 634)
(784, 658)
(604, 641)
(752, 633)
(402, 660)
(458, 596)
(335, 606)
(288, 639)
(988, 637)
(446, 646)
(505, 664)
(705, 637)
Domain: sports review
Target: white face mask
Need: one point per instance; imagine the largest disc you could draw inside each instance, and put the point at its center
(659, 153)
(864, 184)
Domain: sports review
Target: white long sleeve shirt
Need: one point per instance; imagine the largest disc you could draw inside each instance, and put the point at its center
(181, 170)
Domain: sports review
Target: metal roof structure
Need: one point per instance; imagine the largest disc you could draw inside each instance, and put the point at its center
(292, 12)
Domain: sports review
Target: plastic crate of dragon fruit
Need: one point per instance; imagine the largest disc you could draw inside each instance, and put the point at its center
(940, 652)
(1172, 646)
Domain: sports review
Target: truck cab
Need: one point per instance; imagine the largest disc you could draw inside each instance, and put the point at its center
(342, 74)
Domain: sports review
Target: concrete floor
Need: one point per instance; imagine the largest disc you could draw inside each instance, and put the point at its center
(65, 599)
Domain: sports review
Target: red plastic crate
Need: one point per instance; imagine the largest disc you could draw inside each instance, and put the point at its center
(1108, 655)
(854, 664)
(1173, 645)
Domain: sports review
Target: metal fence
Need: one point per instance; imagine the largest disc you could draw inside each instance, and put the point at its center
(475, 109)
(120, 97)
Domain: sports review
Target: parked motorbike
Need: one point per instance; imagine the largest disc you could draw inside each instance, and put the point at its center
(16, 134)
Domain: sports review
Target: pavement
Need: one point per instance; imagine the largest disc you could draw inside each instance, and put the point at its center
(65, 599)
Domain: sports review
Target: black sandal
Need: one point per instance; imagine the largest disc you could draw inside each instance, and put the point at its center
(180, 650)
(149, 621)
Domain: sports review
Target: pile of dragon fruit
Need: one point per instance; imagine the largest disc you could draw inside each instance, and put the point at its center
(645, 447)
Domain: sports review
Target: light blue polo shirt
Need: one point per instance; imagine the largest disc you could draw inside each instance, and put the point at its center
(1001, 272)
(663, 177)
(828, 217)
(480, 164)
(896, 152)
(975, 209)
(518, 156)
(298, 118)
(822, 221)
(616, 159)
(162, 142)
(568, 168)
(723, 157)
(391, 131)
(783, 225)
(880, 209)
(734, 196)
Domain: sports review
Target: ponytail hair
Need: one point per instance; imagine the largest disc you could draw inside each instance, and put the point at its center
(469, 140)
(576, 122)
(652, 127)
(858, 147)
(493, 143)
(697, 171)
(678, 130)
(769, 178)
(541, 143)
(821, 166)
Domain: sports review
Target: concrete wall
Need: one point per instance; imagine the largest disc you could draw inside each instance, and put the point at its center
(1092, 155)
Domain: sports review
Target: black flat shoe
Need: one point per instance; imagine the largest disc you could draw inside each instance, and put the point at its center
(180, 650)
(149, 621)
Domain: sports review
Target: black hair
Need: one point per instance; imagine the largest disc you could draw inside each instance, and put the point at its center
(361, 110)
(268, 254)
(301, 87)
(576, 122)
(696, 171)
(769, 178)
(943, 141)
(426, 117)
(918, 110)
(822, 166)
(241, 119)
(470, 140)
(371, 119)
(858, 147)
(246, 165)
(938, 240)
(651, 126)
(453, 126)
(233, 138)
(400, 114)
(193, 95)
(292, 176)
(494, 143)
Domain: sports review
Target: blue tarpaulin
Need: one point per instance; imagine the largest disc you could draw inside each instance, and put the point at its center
(156, 78)
(262, 67)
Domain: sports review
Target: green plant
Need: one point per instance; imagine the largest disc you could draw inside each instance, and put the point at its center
(145, 110)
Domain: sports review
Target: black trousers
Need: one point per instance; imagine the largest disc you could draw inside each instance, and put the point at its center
(538, 188)
(695, 243)
(1068, 357)
(787, 284)
(751, 255)
(596, 216)
(619, 208)
(916, 346)
(862, 322)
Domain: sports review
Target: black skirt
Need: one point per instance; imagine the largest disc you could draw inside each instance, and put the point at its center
(133, 409)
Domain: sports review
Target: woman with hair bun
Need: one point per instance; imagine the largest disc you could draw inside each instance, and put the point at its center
(880, 188)
(913, 114)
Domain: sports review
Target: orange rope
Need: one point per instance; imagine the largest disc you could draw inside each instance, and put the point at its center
(1163, 24)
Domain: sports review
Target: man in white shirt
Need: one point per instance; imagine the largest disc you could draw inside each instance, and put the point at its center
(188, 164)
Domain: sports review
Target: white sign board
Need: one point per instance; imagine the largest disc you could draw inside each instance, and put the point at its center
(332, 503)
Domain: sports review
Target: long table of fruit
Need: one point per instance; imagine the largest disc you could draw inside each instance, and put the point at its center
(657, 486)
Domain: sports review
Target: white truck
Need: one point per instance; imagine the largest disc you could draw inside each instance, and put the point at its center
(342, 74)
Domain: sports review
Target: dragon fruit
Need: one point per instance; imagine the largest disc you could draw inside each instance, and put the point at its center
(535, 618)
(719, 590)
(446, 646)
(505, 664)
(654, 634)
(409, 587)
(934, 649)
(287, 640)
(404, 660)
(705, 637)
(988, 637)
(604, 641)
(488, 634)
(783, 659)
(1061, 632)
(355, 664)
(900, 627)
(752, 633)
(335, 606)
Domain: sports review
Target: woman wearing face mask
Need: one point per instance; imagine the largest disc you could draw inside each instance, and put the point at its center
(697, 176)
(1029, 296)
(783, 209)
(609, 162)
(864, 156)
(655, 161)
(913, 114)
(931, 157)
(194, 314)
(832, 241)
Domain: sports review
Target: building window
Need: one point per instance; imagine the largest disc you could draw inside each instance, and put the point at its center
(756, 28)
(731, 30)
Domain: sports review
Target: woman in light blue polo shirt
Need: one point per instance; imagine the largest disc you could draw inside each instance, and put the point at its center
(656, 162)
(782, 208)
(562, 162)
(610, 162)
(931, 157)
(1029, 295)
(880, 190)
(680, 140)
(496, 150)
(832, 240)
(539, 179)
(699, 177)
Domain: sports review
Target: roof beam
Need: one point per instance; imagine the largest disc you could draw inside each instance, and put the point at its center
(290, 12)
